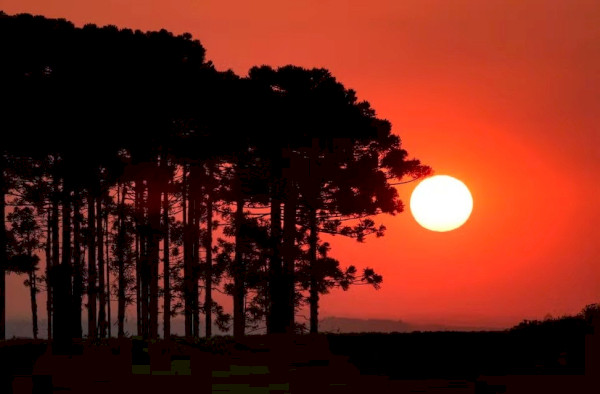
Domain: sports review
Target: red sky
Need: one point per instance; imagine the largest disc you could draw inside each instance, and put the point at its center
(501, 94)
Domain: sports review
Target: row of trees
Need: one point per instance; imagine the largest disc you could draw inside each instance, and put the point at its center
(126, 155)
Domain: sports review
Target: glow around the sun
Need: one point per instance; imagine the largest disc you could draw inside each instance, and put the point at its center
(441, 203)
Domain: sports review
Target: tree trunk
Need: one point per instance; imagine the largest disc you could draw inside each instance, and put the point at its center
(107, 243)
(101, 284)
(48, 252)
(120, 256)
(288, 249)
(193, 231)
(138, 254)
(62, 282)
(313, 292)
(67, 252)
(166, 269)
(91, 287)
(276, 301)
(144, 266)
(239, 286)
(32, 295)
(208, 245)
(55, 226)
(77, 267)
(195, 214)
(55, 249)
(187, 257)
(154, 206)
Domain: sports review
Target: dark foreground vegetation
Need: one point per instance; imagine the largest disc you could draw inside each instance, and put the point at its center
(561, 355)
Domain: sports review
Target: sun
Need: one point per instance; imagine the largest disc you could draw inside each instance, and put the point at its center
(441, 203)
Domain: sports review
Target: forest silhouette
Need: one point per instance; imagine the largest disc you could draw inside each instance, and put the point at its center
(128, 154)
(137, 172)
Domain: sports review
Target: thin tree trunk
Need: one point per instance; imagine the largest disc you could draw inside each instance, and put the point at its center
(32, 295)
(101, 284)
(288, 247)
(154, 206)
(138, 257)
(55, 253)
(77, 267)
(239, 292)
(195, 214)
(107, 243)
(145, 267)
(313, 291)
(67, 253)
(91, 287)
(62, 283)
(187, 258)
(208, 245)
(48, 251)
(276, 306)
(55, 217)
(166, 269)
(120, 255)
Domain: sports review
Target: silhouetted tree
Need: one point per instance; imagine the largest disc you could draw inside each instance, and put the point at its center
(24, 236)
(337, 156)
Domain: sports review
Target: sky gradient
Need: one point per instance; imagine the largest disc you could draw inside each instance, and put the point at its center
(503, 95)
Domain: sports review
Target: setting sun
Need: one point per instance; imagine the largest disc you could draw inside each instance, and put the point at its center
(441, 203)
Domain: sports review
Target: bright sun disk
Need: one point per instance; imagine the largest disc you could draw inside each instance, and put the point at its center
(441, 203)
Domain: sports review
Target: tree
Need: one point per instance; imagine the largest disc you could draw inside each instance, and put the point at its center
(24, 241)
(335, 159)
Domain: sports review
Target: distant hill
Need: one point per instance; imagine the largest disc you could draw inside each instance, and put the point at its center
(348, 325)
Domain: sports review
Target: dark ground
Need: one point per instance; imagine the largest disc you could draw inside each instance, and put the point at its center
(531, 360)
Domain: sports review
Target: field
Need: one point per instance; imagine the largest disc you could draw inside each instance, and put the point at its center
(537, 358)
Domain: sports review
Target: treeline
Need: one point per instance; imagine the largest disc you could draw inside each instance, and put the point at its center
(586, 319)
(142, 174)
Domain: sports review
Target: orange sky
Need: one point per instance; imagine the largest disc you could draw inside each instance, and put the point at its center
(502, 94)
